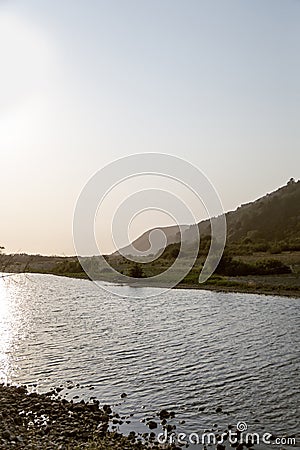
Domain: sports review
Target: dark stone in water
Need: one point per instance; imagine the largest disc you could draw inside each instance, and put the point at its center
(152, 424)
(123, 395)
(164, 414)
(107, 409)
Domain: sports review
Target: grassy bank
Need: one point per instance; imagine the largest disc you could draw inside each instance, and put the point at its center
(247, 273)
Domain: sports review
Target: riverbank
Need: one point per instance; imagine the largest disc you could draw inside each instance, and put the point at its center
(279, 286)
(282, 287)
(45, 422)
(287, 285)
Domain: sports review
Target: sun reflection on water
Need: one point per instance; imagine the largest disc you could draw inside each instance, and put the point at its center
(9, 325)
(15, 317)
(5, 334)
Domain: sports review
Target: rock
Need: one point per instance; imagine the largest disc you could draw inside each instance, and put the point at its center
(219, 409)
(107, 409)
(164, 414)
(67, 424)
(132, 435)
(220, 447)
(18, 420)
(123, 395)
(152, 424)
(6, 435)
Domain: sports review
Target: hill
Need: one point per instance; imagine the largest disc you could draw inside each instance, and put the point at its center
(142, 243)
(272, 219)
(262, 253)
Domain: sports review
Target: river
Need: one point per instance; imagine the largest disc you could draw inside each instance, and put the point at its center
(190, 351)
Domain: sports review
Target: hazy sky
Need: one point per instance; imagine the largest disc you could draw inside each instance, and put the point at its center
(83, 83)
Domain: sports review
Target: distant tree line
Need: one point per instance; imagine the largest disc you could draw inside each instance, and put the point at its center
(68, 267)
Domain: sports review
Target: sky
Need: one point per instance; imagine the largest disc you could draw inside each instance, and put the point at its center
(85, 83)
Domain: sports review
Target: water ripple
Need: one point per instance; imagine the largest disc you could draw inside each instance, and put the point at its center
(183, 350)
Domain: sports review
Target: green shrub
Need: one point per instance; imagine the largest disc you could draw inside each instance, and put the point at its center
(231, 267)
(136, 271)
(275, 249)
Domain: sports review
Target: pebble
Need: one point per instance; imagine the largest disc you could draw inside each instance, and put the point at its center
(35, 421)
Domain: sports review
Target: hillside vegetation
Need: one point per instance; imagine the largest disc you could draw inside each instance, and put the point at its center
(262, 252)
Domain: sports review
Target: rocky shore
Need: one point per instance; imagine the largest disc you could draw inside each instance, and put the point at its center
(42, 421)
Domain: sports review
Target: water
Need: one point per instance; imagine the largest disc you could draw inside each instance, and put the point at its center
(183, 351)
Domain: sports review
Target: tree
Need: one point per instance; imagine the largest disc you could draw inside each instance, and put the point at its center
(136, 271)
(2, 264)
